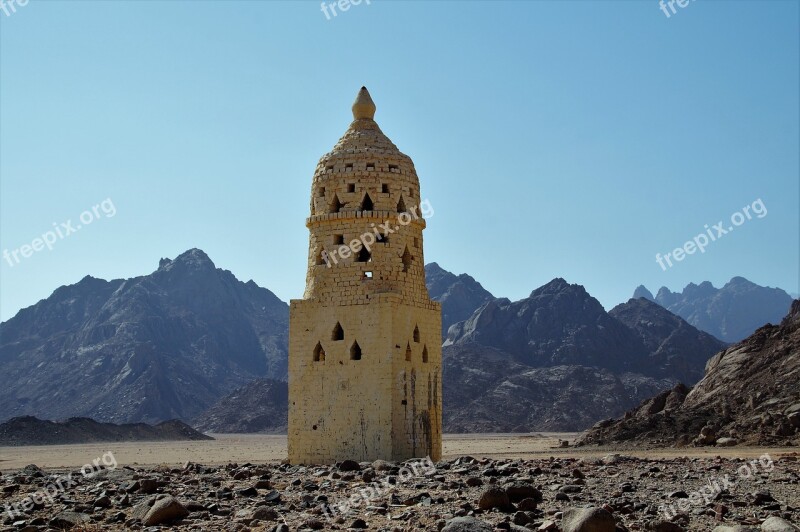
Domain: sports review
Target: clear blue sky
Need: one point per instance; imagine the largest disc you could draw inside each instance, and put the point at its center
(553, 138)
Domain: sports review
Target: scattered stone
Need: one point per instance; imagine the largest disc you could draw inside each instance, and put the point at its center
(67, 520)
(467, 524)
(590, 519)
(349, 465)
(777, 524)
(494, 498)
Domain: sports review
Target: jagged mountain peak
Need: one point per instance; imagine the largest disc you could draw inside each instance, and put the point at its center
(642, 292)
(459, 295)
(194, 259)
(729, 313)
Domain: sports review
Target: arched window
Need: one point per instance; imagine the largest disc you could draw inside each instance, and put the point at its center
(407, 259)
(338, 332)
(336, 205)
(366, 204)
(416, 333)
(364, 256)
(425, 354)
(319, 353)
(408, 352)
(355, 351)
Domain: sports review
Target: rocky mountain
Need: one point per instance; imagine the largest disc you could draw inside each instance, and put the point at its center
(557, 360)
(260, 406)
(554, 361)
(460, 295)
(675, 348)
(730, 313)
(750, 394)
(485, 390)
(32, 431)
(165, 345)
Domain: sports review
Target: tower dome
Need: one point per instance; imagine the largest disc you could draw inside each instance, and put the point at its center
(363, 184)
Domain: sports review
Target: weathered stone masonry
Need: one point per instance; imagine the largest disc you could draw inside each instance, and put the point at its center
(365, 354)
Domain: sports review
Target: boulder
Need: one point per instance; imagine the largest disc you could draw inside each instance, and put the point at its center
(467, 524)
(776, 524)
(590, 519)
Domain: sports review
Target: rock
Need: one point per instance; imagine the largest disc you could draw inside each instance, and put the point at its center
(263, 513)
(663, 526)
(359, 523)
(494, 498)
(727, 442)
(148, 486)
(467, 524)
(103, 502)
(734, 528)
(590, 519)
(521, 518)
(527, 505)
(349, 465)
(155, 511)
(67, 520)
(521, 490)
(473, 482)
(776, 524)
(314, 524)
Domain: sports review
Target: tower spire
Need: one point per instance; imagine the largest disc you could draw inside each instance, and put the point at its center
(363, 107)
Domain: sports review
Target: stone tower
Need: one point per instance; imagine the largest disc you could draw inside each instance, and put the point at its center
(365, 359)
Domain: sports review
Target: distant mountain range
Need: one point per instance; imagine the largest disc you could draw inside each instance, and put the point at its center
(28, 430)
(750, 394)
(554, 361)
(730, 313)
(557, 360)
(190, 341)
(165, 345)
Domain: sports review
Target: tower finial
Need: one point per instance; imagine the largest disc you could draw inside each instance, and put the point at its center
(363, 107)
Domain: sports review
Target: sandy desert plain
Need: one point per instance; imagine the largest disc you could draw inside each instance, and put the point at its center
(267, 448)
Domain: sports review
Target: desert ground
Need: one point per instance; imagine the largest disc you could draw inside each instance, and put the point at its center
(485, 482)
(261, 448)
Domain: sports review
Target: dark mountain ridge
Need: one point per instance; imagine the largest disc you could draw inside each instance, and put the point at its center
(750, 394)
(160, 346)
(29, 430)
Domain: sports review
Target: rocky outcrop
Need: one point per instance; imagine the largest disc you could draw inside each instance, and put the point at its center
(749, 394)
(485, 390)
(459, 295)
(162, 346)
(730, 313)
(557, 361)
(260, 406)
(674, 348)
(33, 431)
